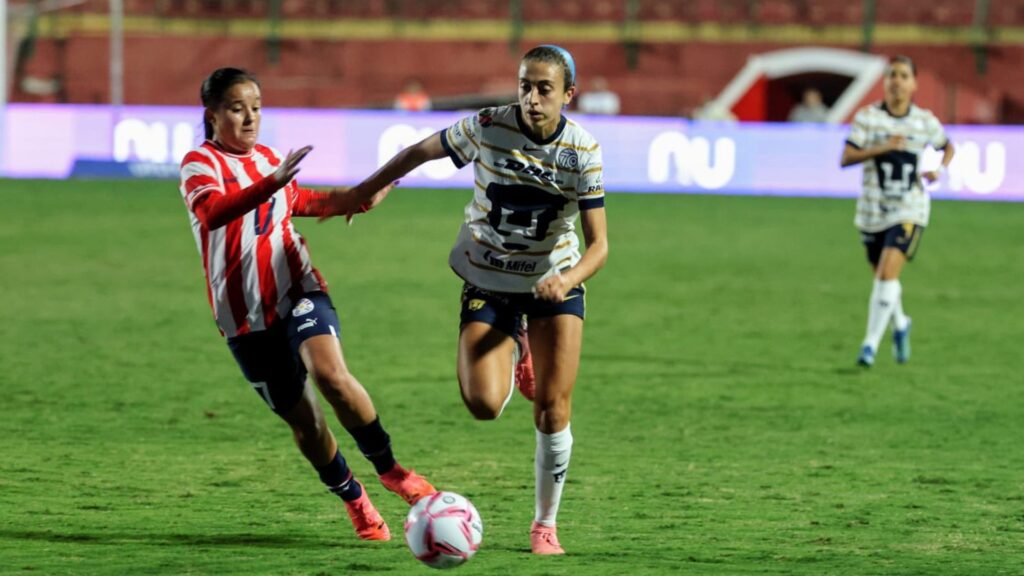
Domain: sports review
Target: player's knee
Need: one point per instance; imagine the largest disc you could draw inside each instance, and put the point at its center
(483, 405)
(553, 408)
(335, 383)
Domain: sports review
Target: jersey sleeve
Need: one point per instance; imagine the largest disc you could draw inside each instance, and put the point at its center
(858, 137)
(199, 178)
(936, 134)
(461, 141)
(590, 187)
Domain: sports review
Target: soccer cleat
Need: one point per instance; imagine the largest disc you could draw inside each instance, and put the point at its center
(367, 521)
(901, 344)
(525, 381)
(866, 358)
(407, 484)
(543, 540)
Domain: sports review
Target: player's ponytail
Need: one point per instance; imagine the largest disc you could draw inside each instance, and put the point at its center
(211, 93)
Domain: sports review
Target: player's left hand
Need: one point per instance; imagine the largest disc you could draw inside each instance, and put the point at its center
(552, 289)
(930, 176)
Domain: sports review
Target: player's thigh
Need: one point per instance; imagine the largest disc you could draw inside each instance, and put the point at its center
(484, 359)
(313, 334)
(556, 342)
(900, 245)
(873, 243)
(891, 264)
(270, 367)
(488, 322)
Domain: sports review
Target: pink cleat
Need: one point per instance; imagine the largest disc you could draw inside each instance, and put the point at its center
(368, 522)
(543, 540)
(407, 484)
(524, 367)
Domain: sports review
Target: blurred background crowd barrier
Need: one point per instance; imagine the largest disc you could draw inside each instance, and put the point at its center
(660, 57)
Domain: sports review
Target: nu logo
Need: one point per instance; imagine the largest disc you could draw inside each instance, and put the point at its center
(971, 169)
(136, 139)
(692, 160)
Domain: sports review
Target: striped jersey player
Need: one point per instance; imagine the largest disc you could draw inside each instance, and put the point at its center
(892, 192)
(258, 264)
(271, 303)
(527, 192)
(893, 209)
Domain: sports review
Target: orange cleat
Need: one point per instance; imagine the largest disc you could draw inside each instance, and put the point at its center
(407, 484)
(543, 540)
(525, 381)
(368, 522)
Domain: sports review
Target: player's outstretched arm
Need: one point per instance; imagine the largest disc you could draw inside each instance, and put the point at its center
(336, 202)
(217, 210)
(370, 192)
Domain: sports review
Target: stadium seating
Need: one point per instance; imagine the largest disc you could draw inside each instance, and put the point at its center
(658, 77)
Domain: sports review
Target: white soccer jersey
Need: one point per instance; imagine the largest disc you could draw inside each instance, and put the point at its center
(892, 192)
(520, 225)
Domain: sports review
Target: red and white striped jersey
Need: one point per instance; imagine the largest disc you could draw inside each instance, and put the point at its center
(257, 264)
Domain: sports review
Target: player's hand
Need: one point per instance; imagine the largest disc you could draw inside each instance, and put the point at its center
(290, 167)
(552, 289)
(930, 176)
(377, 197)
(896, 142)
(351, 201)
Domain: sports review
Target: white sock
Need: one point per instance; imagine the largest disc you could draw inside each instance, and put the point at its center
(899, 319)
(884, 297)
(551, 465)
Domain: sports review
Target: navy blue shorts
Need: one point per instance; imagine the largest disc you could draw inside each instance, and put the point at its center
(270, 360)
(904, 237)
(505, 310)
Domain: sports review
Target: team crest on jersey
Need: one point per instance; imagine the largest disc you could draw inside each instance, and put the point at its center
(305, 306)
(476, 304)
(568, 159)
(486, 117)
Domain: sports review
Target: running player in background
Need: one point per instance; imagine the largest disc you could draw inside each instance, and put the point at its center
(518, 253)
(269, 300)
(893, 208)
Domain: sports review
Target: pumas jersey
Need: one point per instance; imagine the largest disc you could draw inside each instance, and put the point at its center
(892, 192)
(520, 226)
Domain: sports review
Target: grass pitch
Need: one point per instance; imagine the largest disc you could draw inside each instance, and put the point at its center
(720, 425)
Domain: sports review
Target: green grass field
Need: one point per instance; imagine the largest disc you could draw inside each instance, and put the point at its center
(720, 426)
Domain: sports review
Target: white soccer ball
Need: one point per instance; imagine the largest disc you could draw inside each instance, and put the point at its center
(443, 530)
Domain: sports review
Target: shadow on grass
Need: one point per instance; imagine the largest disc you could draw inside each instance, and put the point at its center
(157, 539)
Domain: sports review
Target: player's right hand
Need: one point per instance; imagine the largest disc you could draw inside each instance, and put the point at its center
(378, 197)
(290, 167)
(351, 201)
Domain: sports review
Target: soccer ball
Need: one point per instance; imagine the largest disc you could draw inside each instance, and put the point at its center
(443, 530)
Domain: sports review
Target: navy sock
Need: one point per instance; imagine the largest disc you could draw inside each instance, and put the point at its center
(338, 478)
(375, 444)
